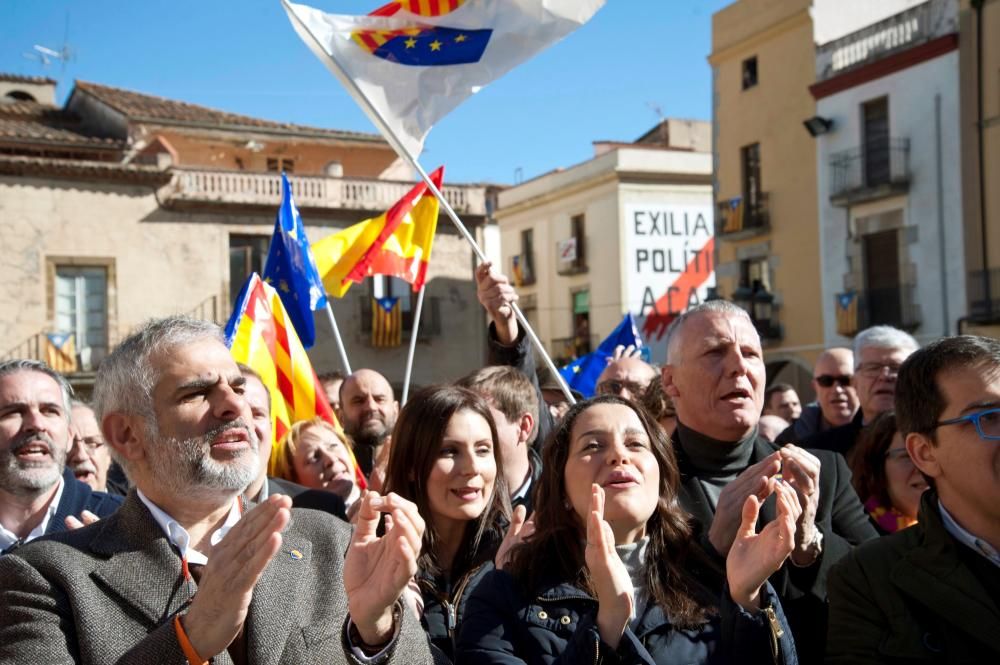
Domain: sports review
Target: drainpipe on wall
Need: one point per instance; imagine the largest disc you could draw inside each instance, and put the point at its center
(940, 215)
(978, 6)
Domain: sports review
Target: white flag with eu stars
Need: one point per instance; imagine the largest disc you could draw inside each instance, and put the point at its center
(409, 63)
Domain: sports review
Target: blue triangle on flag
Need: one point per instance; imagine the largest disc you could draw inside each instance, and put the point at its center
(844, 299)
(387, 303)
(58, 339)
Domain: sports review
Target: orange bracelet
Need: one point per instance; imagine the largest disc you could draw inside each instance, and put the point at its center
(189, 652)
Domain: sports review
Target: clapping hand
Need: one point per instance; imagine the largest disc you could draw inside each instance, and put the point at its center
(801, 469)
(378, 569)
(519, 530)
(236, 563)
(754, 481)
(756, 556)
(615, 595)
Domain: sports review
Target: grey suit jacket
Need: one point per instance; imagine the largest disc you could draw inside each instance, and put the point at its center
(107, 593)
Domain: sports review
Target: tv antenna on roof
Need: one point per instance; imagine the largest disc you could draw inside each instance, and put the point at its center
(46, 55)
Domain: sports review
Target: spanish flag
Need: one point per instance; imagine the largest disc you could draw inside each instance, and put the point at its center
(397, 243)
(387, 322)
(60, 352)
(260, 335)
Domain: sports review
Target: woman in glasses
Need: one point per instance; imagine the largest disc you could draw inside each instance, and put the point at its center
(613, 572)
(884, 476)
(445, 458)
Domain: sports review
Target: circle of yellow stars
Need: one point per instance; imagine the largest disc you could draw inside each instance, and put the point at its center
(436, 44)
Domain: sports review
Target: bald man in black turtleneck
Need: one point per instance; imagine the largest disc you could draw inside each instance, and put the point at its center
(715, 376)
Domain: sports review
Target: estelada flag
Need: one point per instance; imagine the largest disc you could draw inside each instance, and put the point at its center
(396, 243)
(414, 61)
(260, 335)
(60, 352)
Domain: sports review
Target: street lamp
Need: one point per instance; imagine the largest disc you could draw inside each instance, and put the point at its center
(818, 125)
(763, 307)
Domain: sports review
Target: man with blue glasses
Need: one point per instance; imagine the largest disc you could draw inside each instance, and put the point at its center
(930, 593)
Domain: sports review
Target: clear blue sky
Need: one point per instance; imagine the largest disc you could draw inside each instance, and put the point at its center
(602, 82)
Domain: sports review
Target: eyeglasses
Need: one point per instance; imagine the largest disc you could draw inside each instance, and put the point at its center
(987, 423)
(615, 387)
(827, 380)
(898, 455)
(91, 442)
(875, 370)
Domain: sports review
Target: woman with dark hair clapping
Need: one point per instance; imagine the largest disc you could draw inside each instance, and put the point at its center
(613, 570)
(445, 458)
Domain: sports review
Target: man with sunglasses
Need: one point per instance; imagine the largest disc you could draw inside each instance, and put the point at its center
(836, 399)
(878, 351)
(929, 593)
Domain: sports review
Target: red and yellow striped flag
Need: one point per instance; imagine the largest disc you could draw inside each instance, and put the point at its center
(261, 336)
(397, 243)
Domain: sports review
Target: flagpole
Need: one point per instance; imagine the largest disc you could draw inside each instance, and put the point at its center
(337, 338)
(413, 343)
(373, 113)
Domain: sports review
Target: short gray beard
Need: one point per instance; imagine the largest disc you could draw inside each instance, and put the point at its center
(186, 467)
(33, 479)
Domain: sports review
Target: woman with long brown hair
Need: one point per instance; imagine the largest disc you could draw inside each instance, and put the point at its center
(613, 569)
(445, 458)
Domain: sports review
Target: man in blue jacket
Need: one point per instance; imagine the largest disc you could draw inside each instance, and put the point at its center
(37, 493)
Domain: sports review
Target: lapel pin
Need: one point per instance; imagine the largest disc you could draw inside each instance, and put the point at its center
(295, 554)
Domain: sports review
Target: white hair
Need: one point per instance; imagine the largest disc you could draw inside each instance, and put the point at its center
(125, 379)
(883, 337)
(720, 306)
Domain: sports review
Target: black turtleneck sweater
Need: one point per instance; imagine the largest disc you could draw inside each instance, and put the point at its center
(716, 463)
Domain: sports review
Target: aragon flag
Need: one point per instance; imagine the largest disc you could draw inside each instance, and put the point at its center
(396, 243)
(410, 63)
(259, 334)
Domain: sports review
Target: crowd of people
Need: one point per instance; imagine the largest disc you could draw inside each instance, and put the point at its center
(685, 513)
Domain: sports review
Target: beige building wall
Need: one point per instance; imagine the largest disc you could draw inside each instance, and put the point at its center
(779, 34)
(161, 261)
(602, 190)
(981, 204)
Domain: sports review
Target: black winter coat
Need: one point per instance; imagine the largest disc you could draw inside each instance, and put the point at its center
(557, 626)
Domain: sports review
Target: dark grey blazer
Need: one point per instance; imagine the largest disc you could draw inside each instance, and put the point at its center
(107, 593)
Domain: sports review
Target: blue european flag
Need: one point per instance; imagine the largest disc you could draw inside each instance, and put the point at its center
(291, 269)
(582, 373)
(435, 46)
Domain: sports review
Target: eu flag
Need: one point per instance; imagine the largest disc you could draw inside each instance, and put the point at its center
(291, 270)
(582, 373)
(433, 46)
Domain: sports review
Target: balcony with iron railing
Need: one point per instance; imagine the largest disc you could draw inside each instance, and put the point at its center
(983, 287)
(899, 32)
(430, 318)
(738, 217)
(522, 269)
(875, 170)
(198, 187)
(896, 306)
(571, 255)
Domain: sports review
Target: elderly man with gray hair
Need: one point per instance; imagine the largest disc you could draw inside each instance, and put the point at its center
(37, 493)
(878, 353)
(186, 571)
(715, 376)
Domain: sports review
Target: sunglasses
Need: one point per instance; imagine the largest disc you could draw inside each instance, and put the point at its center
(613, 387)
(827, 380)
